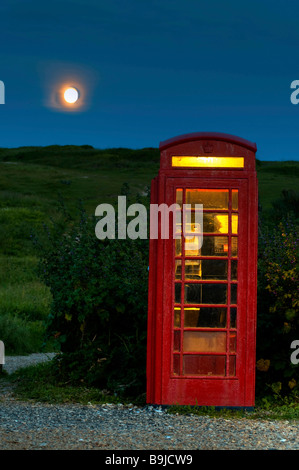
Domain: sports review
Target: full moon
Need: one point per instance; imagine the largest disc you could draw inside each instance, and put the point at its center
(71, 95)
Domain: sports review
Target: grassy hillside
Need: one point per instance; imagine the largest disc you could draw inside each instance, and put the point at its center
(33, 179)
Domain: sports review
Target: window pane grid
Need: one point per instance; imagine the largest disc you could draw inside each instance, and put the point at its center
(197, 270)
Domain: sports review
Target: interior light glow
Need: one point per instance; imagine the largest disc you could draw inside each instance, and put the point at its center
(208, 162)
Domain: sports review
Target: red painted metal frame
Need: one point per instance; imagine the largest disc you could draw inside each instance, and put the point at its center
(162, 386)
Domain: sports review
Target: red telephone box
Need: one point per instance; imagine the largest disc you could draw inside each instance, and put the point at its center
(202, 286)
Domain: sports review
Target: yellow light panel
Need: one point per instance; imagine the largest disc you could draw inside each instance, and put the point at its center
(208, 162)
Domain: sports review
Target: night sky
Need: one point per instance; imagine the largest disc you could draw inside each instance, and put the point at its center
(149, 70)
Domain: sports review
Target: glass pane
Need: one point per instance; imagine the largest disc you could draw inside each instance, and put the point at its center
(206, 269)
(210, 198)
(234, 199)
(193, 246)
(214, 269)
(179, 197)
(176, 340)
(204, 341)
(234, 223)
(178, 247)
(178, 222)
(176, 364)
(205, 293)
(234, 251)
(177, 295)
(193, 269)
(203, 365)
(177, 317)
(233, 294)
(232, 342)
(232, 365)
(234, 270)
(205, 317)
(193, 221)
(233, 317)
(178, 269)
(214, 246)
(215, 223)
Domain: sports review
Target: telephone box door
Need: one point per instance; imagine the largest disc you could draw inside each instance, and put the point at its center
(206, 332)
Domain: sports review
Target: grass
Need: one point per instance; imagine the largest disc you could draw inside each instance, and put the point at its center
(24, 305)
(282, 409)
(33, 180)
(39, 383)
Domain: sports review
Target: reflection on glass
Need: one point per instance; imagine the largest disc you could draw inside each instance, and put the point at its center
(234, 223)
(179, 197)
(206, 293)
(191, 316)
(177, 317)
(234, 270)
(177, 295)
(210, 198)
(178, 247)
(178, 222)
(234, 199)
(206, 269)
(214, 269)
(214, 246)
(205, 317)
(211, 246)
(233, 294)
(234, 242)
(203, 365)
(233, 317)
(212, 222)
(204, 341)
(193, 269)
(232, 342)
(178, 269)
(215, 223)
(193, 245)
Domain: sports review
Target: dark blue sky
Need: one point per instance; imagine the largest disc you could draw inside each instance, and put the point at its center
(149, 70)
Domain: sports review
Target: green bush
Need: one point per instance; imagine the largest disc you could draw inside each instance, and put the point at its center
(99, 308)
(278, 307)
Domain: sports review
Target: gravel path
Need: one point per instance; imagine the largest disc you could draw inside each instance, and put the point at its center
(36, 426)
(12, 363)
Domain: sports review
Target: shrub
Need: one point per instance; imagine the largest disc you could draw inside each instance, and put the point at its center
(278, 306)
(99, 309)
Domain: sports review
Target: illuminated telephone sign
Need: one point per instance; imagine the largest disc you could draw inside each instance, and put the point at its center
(203, 280)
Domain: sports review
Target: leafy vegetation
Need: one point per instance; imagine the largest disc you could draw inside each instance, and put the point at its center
(99, 307)
(91, 296)
(278, 306)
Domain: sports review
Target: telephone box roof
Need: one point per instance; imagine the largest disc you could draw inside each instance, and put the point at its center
(207, 136)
